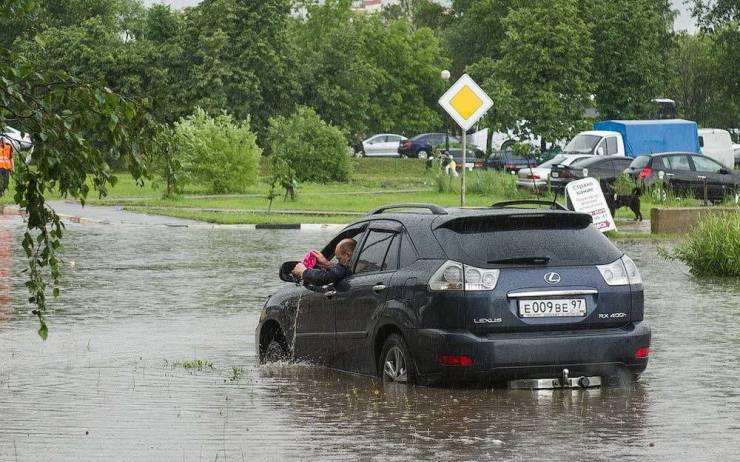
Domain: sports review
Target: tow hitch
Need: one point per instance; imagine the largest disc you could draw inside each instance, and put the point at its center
(565, 381)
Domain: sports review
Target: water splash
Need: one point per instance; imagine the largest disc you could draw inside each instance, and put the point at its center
(295, 324)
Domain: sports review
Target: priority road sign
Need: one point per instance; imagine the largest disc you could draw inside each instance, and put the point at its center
(465, 102)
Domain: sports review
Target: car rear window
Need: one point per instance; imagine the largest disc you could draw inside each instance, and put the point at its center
(640, 162)
(553, 239)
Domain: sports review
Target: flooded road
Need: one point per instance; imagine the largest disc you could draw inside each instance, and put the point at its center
(140, 304)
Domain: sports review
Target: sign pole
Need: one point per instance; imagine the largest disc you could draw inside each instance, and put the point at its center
(462, 177)
(466, 103)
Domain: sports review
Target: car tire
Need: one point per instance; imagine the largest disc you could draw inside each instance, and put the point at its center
(423, 155)
(395, 363)
(274, 351)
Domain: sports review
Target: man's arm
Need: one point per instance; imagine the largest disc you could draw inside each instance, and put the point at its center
(322, 277)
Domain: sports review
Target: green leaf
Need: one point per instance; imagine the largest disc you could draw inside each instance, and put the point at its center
(43, 330)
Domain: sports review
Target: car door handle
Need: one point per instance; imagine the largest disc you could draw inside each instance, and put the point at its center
(377, 288)
(701, 177)
(669, 174)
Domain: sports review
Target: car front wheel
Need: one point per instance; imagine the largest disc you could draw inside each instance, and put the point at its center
(275, 351)
(396, 364)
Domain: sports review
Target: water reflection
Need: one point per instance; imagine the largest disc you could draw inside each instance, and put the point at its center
(137, 300)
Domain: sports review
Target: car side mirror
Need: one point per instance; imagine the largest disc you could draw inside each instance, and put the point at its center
(600, 151)
(724, 171)
(286, 272)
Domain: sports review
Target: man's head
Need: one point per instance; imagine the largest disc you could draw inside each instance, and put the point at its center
(344, 250)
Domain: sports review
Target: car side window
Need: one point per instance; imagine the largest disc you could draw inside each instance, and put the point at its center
(374, 251)
(391, 257)
(703, 164)
(393, 139)
(408, 253)
(611, 145)
(679, 163)
(660, 164)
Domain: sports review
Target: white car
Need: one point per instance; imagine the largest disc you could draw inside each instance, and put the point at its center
(383, 144)
(736, 150)
(19, 141)
(536, 178)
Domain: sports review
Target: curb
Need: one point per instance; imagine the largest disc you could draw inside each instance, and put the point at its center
(15, 211)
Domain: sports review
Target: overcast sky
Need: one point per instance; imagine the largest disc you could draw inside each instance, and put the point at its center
(683, 22)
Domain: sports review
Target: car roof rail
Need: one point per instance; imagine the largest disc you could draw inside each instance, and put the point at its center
(551, 204)
(435, 209)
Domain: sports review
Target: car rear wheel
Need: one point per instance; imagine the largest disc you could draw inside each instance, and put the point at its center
(422, 155)
(396, 364)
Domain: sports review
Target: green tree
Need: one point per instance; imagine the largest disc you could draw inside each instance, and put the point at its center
(631, 40)
(334, 66)
(76, 126)
(241, 58)
(546, 63)
(692, 68)
(216, 152)
(315, 150)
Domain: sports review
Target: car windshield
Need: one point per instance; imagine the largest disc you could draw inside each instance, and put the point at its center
(559, 239)
(583, 144)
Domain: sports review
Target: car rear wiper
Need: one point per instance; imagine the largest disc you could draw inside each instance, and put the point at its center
(521, 261)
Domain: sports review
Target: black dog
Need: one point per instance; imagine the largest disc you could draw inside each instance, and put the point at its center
(616, 201)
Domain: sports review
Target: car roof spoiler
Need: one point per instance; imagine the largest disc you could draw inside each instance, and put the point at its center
(435, 209)
(552, 205)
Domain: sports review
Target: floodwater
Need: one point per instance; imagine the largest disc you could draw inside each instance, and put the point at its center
(140, 301)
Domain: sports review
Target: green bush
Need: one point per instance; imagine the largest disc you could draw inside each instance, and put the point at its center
(316, 150)
(712, 247)
(218, 153)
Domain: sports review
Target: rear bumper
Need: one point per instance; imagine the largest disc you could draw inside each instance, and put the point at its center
(509, 356)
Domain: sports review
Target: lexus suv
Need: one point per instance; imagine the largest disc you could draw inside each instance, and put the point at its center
(508, 294)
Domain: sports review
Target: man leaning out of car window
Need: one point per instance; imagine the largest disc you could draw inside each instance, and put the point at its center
(327, 273)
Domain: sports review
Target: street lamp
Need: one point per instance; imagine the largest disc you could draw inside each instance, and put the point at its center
(445, 75)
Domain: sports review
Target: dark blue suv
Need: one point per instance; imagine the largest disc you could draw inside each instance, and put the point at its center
(506, 294)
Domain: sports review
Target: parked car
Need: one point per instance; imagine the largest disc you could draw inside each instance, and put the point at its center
(19, 141)
(383, 144)
(686, 173)
(536, 178)
(423, 146)
(485, 295)
(471, 162)
(599, 167)
(736, 150)
(510, 162)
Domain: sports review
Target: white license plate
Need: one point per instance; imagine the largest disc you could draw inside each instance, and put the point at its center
(545, 308)
(554, 174)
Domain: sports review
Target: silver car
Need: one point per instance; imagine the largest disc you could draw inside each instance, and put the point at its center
(383, 144)
(536, 178)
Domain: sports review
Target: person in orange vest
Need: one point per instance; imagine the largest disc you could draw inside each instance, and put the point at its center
(6, 164)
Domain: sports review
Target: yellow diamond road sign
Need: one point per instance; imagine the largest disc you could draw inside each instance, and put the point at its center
(465, 102)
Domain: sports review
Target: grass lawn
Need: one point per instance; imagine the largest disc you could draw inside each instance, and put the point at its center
(374, 182)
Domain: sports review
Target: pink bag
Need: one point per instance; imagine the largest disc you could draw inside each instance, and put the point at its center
(309, 261)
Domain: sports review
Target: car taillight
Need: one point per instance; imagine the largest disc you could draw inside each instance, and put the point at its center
(533, 177)
(622, 272)
(478, 165)
(407, 144)
(455, 360)
(566, 174)
(642, 353)
(646, 172)
(456, 276)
